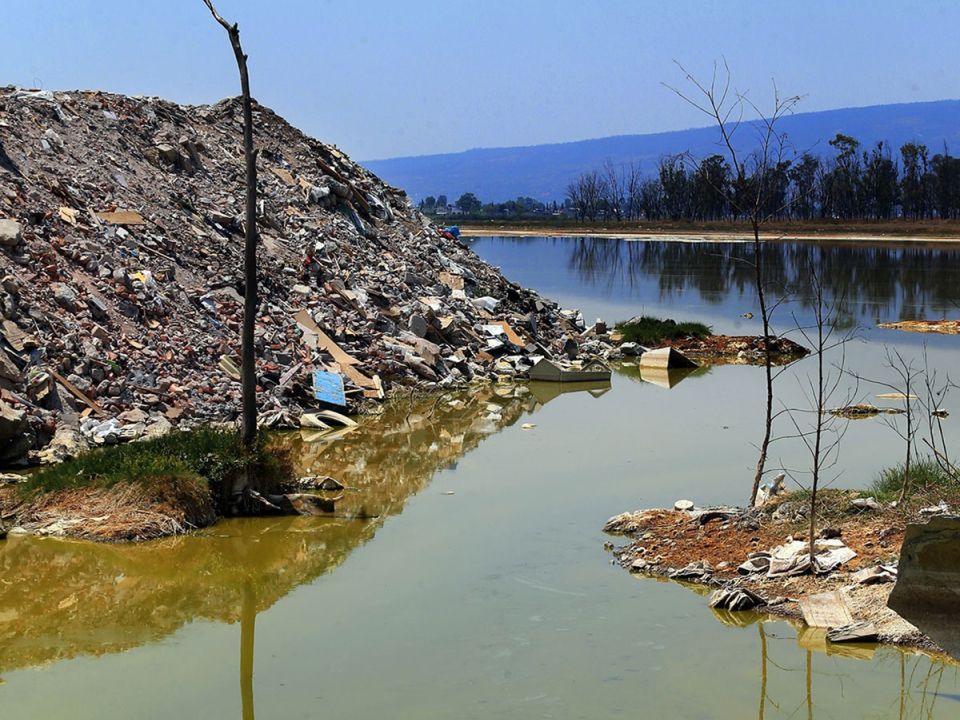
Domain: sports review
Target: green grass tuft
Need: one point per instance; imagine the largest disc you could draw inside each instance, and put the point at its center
(203, 455)
(925, 475)
(650, 330)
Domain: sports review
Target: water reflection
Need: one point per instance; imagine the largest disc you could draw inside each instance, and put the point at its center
(881, 282)
(917, 694)
(666, 378)
(60, 599)
(878, 281)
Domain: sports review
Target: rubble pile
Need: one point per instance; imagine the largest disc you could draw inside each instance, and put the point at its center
(121, 288)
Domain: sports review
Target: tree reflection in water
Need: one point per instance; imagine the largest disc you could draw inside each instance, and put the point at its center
(920, 674)
(880, 282)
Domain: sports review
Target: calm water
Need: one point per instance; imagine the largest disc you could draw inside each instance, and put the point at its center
(482, 589)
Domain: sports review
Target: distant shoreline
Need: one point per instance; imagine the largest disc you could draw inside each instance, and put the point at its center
(886, 232)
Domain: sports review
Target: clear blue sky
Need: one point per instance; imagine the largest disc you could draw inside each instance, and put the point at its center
(408, 77)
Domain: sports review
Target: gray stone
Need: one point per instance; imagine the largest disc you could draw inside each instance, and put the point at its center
(10, 232)
(418, 325)
(867, 503)
(64, 295)
(12, 422)
(169, 153)
(159, 428)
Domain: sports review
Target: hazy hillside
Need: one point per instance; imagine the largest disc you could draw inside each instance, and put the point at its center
(543, 171)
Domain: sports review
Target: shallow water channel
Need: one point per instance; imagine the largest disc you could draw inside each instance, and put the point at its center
(464, 575)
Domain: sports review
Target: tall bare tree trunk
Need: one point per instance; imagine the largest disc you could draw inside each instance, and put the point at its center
(767, 361)
(248, 361)
(818, 429)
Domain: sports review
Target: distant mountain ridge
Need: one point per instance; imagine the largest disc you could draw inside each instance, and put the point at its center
(543, 171)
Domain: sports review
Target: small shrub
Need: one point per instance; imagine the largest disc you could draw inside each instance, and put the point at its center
(650, 330)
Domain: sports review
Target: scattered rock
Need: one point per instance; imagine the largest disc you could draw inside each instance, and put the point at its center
(862, 504)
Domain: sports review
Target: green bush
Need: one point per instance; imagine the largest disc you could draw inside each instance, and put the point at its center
(650, 330)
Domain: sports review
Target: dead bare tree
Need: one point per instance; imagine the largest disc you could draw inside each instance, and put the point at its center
(932, 401)
(908, 377)
(248, 369)
(749, 195)
(822, 436)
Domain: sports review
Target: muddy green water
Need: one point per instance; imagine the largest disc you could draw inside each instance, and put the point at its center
(482, 589)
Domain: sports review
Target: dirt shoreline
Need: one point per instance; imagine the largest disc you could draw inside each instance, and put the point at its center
(707, 235)
(681, 546)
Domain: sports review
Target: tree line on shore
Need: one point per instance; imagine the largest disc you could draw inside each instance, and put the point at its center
(852, 183)
(470, 205)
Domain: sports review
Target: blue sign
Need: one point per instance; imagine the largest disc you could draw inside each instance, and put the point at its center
(328, 388)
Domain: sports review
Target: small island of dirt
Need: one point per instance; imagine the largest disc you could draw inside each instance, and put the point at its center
(737, 349)
(706, 547)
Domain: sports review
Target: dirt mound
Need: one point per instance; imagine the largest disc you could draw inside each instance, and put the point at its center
(121, 264)
(127, 511)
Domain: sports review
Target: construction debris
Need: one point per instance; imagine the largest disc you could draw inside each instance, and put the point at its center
(121, 283)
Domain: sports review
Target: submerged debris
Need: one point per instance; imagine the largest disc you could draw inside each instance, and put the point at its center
(864, 410)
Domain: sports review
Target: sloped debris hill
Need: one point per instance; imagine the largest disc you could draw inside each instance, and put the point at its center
(121, 288)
